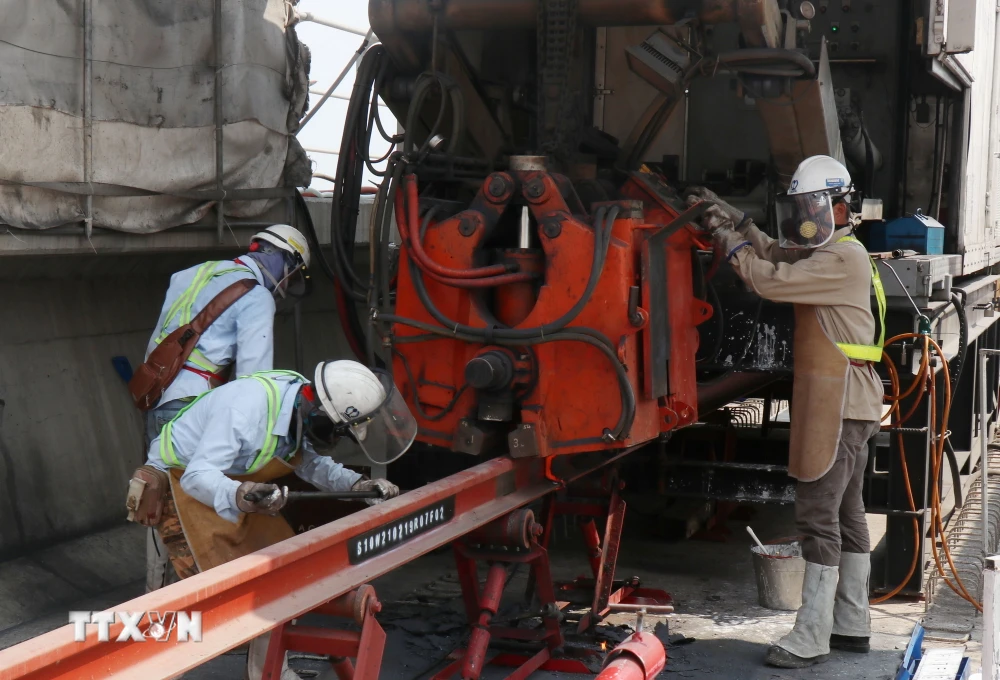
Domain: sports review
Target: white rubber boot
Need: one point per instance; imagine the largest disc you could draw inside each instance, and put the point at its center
(257, 655)
(852, 623)
(809, 641)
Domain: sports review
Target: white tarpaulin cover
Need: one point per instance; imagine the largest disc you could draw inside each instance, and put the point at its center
(152, 109)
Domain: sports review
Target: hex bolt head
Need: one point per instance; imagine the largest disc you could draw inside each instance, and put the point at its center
(497, 187)
(552, 229)
(535, 188)
(466, 228)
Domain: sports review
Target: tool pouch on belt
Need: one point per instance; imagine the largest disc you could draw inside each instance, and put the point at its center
(145, 495)
(154, 376)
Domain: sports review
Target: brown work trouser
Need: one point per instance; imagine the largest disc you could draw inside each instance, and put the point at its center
(830, 512)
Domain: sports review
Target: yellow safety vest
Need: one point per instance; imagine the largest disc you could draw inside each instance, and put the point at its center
(868, 352)
(264, 456)
(185, 302)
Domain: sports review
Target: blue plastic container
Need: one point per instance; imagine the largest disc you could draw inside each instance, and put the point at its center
(916, 232)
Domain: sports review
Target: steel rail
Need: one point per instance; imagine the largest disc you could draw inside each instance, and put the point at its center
(250, 596)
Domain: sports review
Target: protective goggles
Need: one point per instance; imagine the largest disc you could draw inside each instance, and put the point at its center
(387, 432)
(805, 220)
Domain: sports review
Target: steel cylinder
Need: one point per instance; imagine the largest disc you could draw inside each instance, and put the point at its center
(515, 530)
(491, 370)
(640, 657)
(353, 605)
(388, 16)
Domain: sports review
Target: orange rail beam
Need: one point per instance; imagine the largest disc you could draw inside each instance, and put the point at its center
(249, 596)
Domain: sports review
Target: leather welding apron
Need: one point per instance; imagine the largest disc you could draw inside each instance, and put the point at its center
(818, 392)
(213, 540)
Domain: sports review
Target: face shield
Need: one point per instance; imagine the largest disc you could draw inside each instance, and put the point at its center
(386, 433)
(805, 220)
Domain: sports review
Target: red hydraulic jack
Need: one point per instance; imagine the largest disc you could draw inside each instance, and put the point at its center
(341, 646)
(590, 506)
(510, 540)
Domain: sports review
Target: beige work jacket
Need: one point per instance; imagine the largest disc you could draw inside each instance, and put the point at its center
(831, 290)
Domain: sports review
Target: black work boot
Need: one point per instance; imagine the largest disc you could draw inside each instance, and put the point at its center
(782, 658)
(848, 643)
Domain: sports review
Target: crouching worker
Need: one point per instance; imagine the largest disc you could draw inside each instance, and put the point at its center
(207, 483)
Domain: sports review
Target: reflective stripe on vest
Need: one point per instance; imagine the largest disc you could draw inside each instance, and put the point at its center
(868, 352)
(183, 308)
(272, 389)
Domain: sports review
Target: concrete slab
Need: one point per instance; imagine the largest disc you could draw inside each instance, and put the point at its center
(712, 583)
(52, 580)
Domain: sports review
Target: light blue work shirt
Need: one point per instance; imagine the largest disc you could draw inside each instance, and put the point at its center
(243, 334)
(224, 431)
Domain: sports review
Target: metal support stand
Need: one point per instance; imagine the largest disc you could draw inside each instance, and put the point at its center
(608, 595)
(511, 540)
(366, 647)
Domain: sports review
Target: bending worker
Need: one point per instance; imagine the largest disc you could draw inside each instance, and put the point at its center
(827, 274)
(240, 340)
(223, 451)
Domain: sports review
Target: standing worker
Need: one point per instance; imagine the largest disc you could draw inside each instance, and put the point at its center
(827, 274)
(238, 340)
(214, 463)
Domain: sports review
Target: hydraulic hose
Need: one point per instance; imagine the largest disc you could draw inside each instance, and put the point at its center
(449, 92)
(938, 434)
(604, 220)
(574, 335)
(345, 310)
(408, 213)
(550, 332)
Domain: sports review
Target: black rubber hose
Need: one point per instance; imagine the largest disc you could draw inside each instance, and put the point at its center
(449, 92)
(956, 476)
(350, 172)
(416, 401)
(354, 331)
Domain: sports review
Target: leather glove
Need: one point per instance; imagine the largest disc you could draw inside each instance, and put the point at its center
(715, 219)
(726, 239)
(383, 486)
(698, 194)
(267, 499)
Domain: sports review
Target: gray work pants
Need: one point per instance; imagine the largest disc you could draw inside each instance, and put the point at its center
(830, 512)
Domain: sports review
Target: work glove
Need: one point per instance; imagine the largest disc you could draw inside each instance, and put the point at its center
(715, 219)
(267, 499)
(698, 194)
(383, 486)
(728, 240)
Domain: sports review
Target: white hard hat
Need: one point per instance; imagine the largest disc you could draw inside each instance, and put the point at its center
(348, 390)
(820, 173)
(286, 238)
(805, 213)
(368, 406)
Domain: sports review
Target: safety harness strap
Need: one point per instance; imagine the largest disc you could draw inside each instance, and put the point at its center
(868, 352)
(184, 304)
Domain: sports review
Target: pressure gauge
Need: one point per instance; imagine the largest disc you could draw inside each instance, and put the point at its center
(807, 10)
